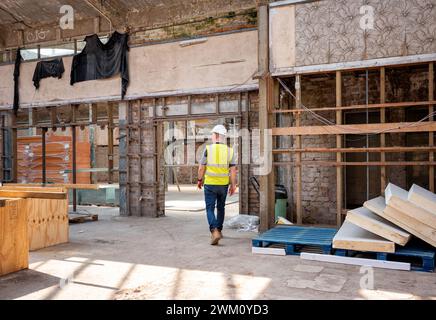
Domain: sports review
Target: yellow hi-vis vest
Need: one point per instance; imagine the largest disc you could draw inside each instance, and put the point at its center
(217, 168)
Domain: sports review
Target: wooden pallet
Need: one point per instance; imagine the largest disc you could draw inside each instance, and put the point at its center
(297, 239)
(422, 257)
(82, 217)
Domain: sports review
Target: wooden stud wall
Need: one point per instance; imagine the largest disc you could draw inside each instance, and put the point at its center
(339, 130)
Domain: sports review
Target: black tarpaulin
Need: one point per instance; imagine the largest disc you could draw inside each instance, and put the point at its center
(102, 61)
(16, 80)
(45, 69)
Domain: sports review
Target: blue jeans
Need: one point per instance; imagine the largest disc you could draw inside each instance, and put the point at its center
(215, 196)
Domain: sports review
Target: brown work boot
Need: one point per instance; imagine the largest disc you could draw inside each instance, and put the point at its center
(216, 237)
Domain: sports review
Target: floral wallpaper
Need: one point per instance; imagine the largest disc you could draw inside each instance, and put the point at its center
(333, 31)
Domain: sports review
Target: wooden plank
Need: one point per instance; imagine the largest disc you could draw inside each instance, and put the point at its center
(352, 237)
(383, 264)
(362, 107)
(56, 185)
(264, 99)
(411, 225)
(357, 150)
(299, 169)
(32, 194)
(359, 129)
(32, 188)
(366, 219)
(339, 169)
(373, 163)
(397, 198)
(422, 198)
(14, 247)
(378, 206)
(383, 172)
(431, 134)
(268, 251)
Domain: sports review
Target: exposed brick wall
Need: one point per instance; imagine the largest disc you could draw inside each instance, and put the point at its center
(319, 182)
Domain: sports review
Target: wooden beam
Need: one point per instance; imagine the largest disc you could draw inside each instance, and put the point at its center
(357, 150)
(53, 117)
(299, 169)
(431, 134)
(356, 164)
(383, 172)
(57, 185)
(366, 219)
(357, 129)
(264, 123)
(339, 169)
(352, 237)
(32, 194)
(94, 113)
(362, 107)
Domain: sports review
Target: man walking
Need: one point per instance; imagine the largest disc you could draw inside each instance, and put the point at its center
(217, 173)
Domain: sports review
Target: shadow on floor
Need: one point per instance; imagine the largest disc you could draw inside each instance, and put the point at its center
(25, 282)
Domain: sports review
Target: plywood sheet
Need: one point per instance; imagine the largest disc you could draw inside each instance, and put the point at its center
(48, 223)
(366, 219)
(59, 157)
(352, 237)
(422, 198)
(14, 247)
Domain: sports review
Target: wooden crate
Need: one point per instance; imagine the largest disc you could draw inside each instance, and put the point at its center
(47, 214)
(14, 246)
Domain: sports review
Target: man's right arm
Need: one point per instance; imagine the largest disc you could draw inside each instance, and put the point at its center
(202, 170)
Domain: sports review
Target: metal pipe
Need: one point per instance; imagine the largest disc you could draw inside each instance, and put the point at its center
(73, 128)
(44, 162)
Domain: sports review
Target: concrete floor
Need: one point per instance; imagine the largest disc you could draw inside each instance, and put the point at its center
(170, 258)
(189, 199)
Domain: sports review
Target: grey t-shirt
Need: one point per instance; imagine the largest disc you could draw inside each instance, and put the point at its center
(203, 160)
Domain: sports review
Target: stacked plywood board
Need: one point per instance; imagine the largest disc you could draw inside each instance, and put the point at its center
(47, 214)
(59, 158)
(14, 247)
(385, 222)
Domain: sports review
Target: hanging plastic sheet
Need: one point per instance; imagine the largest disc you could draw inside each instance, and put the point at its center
(45, 69)
(102, 61)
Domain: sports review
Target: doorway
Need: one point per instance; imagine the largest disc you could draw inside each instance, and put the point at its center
(185, 142)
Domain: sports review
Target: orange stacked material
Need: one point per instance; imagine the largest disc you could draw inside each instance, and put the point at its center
(59, 157)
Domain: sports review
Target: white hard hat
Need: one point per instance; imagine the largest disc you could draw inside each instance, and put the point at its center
(220, 129)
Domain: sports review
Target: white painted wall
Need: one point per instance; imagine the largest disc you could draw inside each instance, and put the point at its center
(221, 63)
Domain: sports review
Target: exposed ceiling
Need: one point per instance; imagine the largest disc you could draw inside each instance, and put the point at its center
(20, 20)
(31, 13)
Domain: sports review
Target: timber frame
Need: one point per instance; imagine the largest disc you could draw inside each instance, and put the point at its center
(381, 129)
